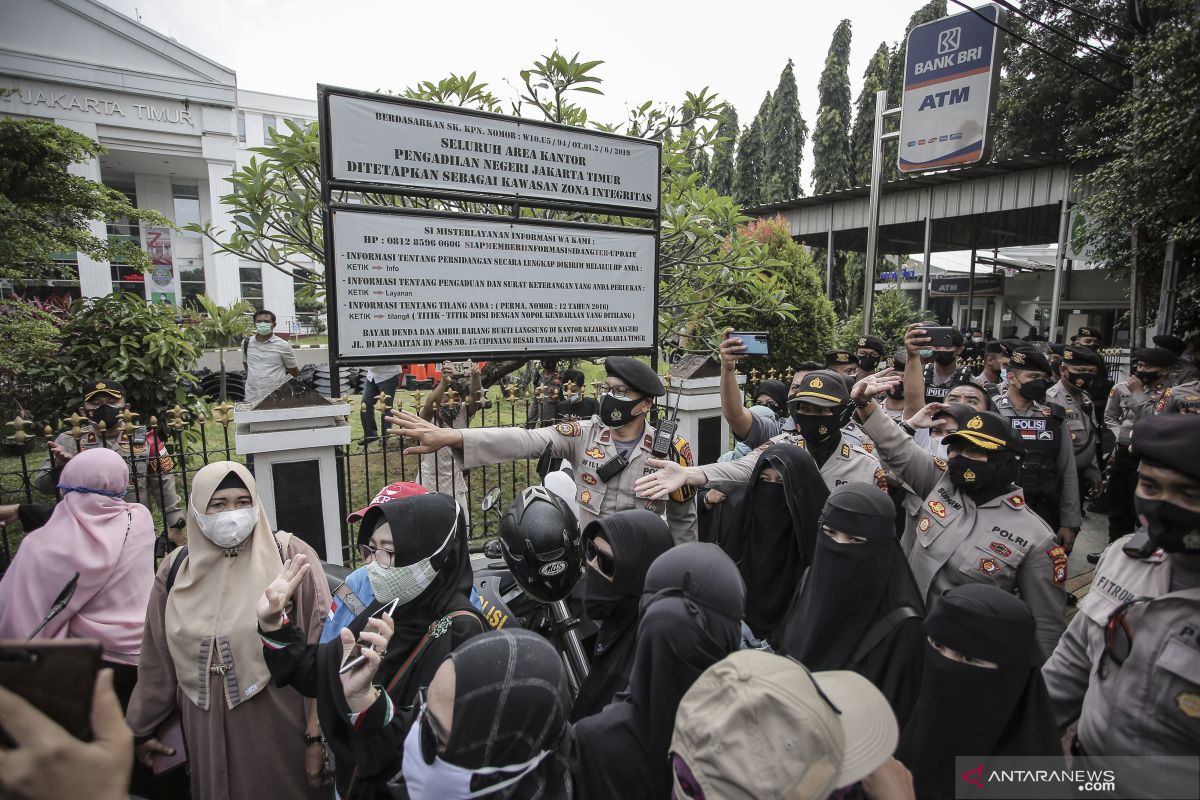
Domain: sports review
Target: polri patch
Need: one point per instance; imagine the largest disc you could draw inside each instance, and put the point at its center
(924, 524)
(585, 497)
(1189, 704)
(568, 429)
(988, 566)
(937, 508)
(1000, 549)
(594, 452)
(588, 478)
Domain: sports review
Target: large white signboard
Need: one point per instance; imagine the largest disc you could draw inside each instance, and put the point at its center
(406, 145)
(415, 287)
(949, 69)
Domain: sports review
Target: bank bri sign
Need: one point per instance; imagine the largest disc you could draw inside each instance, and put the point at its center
(951, 72)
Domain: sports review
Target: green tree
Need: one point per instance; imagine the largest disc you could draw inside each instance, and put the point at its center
(28, 336)
(863, 134)
(934, 9)
(45, 210)
(893, 311)
(750, 183)
(724, 166)
(123, 338)
(224, 326)
(832, 166)
(785, 135)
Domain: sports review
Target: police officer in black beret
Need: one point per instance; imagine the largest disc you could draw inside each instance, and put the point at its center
(843, 362)
(995, 361)
(1079, 368)
(870, 351)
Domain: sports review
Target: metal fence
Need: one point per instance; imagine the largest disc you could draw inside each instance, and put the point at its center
(200, 433)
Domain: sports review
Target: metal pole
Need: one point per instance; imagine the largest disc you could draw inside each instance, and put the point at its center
(928, 247)
(971, 290)
(1170, 288)
(873, 211)
(1055, 302)
(829, 258)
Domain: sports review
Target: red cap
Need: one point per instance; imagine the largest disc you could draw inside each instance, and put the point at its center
(393, 491)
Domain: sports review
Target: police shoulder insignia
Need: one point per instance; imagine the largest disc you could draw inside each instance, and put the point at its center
(1000, 549)
(1046, 411)
(1189, 704)
(588, 478)
(684, 451)
(648, 441)
(585, 497)
(604, 435)
(924, 524)
(937, 508)
(881, 479)
(1058, 557)
(988, 566)
(845, 451)
(568, 429)
(940, 463)
(1015, 500)
(868, 446)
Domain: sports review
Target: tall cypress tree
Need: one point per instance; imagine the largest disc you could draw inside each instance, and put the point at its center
(864, 119)
(703, 166)
(785, 135)
(832, 167)
(750, 184)
(724, 168)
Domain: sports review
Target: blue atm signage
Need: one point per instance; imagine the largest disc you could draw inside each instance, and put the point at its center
(950, 71)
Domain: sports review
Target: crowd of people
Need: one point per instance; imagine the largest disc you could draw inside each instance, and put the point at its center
(873, 584)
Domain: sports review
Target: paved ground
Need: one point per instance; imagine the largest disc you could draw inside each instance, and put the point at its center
(1093, 536)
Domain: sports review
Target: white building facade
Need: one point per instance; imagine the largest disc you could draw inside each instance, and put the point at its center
(175, 126)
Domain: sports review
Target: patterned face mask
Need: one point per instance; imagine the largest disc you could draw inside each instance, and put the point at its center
(406, 583)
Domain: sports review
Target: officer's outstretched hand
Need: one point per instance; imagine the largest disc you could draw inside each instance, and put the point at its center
(59, 453)
(430, 438)
(657, 485)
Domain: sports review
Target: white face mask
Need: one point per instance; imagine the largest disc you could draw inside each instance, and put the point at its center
(228, 529)
(442, 780)
(937, 447)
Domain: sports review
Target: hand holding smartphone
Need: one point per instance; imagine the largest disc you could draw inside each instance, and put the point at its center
(355, 657)
(756, 343)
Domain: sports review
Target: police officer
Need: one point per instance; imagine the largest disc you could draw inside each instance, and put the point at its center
(870, 350)
(609, 451)
(819, 407)
(1181, 399)
(1184, 369)
(1048, 472)
(103, 404)
(995, 361)
(842, 362)
(944, 370)
(1128, 666)
(1080, 367)
(974, 524)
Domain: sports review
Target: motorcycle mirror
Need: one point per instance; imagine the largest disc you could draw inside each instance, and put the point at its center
(491, 548)
(490, 499)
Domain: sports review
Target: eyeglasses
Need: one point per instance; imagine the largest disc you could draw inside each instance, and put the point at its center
(1118, 638)
(433, 739)
(620, 391)
(378, 554)
(602, 562)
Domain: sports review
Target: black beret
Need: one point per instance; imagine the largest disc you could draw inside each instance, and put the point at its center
(1169, 440)
(776, 390)
(1057, 349)
(839, 357)
(822, 388)
(1170, 342)
(1080, 356)
(898, 359)
(111, 388)
(870, 342)
(984, 430)
(997, 346)
(637, 376)
(1092, 332)
(1028, 358)
(1155, 356)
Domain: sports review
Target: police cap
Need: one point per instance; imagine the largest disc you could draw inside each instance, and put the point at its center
(1028, 358)
(1085, 331)
(1155, 356)
(997, 346)
(110, 388)
(637, 376)
(1170, 342)
(870, 342)
(822, 388)
(837, 358)
(983, 429)
(898, 360)
(1169, 440)
(1076, 355)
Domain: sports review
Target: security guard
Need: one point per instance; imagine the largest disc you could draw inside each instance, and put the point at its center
(1181, 399)
(1080, 367)
(1128, 666)
(610, 451)
(819, 407)
(1048, 472)
(974, 524)
(103, 402)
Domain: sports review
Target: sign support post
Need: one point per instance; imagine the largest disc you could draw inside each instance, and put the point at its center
(881, 111)
(1059, 259)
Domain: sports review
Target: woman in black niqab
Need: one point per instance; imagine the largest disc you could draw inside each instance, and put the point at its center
(691, 618)
(637, 538)
(772, 538)
(969, 710)
(428, 627)
(859, 608)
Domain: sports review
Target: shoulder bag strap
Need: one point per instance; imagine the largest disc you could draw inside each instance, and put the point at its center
(877, 632)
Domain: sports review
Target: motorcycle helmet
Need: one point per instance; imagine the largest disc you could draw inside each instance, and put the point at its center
(540, 542)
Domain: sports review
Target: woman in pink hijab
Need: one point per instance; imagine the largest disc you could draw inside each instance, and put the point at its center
(110, 543)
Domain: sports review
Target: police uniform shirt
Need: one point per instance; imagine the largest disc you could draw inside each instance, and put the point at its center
(1182, 399)
(847, 464)
(589, 445)
(145, 452)
(1151, 702)
(1125, 407)
(1081, 423)
(936, 389)
(1030, 427)
(953, 541)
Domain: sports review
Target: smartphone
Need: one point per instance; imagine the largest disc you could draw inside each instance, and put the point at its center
(940, 336)
(355, 657)
(757, 343)
(56, 677)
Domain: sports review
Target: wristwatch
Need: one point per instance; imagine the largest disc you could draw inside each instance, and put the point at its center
(310, 740)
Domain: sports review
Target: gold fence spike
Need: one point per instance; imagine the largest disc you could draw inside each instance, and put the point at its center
(19, 424)
(75, 423)
(47, 431)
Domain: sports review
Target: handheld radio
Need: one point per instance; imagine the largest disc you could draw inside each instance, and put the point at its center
(664, 432)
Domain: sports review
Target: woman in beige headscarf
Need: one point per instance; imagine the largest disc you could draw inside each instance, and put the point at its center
(201, 653)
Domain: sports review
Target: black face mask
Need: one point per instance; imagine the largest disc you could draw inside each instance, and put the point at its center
(602, 600)
(1081, 380)
(1034, 390)
(868, 363)
(1172, 527)
(944, 358)
(771, 405)
(617, 411)
(1148, 378)
(109, 415)
(978, 479)
(897, 393)
(816, 429)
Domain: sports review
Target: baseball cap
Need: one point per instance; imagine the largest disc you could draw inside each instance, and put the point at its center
(393, 491)
(759, 726)
(822, 388)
